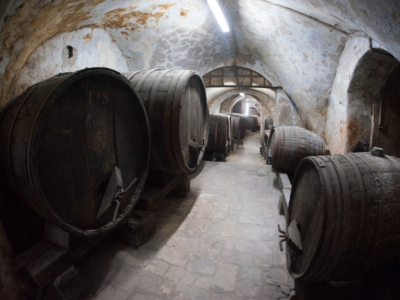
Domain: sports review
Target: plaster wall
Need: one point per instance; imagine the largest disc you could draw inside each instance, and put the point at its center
(302, 53)
(287, 113)
(377, 18)
(90, 48)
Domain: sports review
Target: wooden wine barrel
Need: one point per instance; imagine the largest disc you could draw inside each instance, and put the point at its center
(176, 105)
(230, 129)
(243, 126)
(264, 138)
(235, 127)
(347, 208)
(62, 140)
(252, 123)
(218, 137)
(288, 145)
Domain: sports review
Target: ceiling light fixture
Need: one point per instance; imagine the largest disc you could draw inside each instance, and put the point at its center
(241, 94)
(219, 15)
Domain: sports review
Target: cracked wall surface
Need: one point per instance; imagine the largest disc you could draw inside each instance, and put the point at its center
(90, 48)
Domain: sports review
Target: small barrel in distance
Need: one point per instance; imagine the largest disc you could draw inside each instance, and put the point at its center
(218, 137)
(288, 145)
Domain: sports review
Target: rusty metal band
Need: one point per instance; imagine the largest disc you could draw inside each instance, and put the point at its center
(175, 121)
(150, 115)
(279, 136)
(169, 127)
(29, 141)
(8, 126)
(342, 220)
(130, 75)
(362, 215)
(142, 79)
(377, 181)
(216, 132)
(326, 169)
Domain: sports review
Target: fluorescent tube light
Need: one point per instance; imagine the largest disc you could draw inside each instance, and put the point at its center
(219, 15)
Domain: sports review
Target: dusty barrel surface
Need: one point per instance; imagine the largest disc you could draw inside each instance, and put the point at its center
(62, 139)
(252, 123)
(264, 138)
(288, 145)
(218, 137)
(176, 106)
(347, 208)
(243, 126)
(235, 121)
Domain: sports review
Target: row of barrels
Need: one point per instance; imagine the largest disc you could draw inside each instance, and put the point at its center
(77, 147)
(224, 131)
(342, 220)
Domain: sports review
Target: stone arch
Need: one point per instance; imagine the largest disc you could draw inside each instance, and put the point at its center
(252, 99)
(356, 101)
(364, 94)
(268, 107)
(267, 102)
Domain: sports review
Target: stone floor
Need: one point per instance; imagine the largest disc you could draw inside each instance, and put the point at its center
(221, 242)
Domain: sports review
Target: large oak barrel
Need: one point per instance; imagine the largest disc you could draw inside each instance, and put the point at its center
(263, 142)
(63, 140)
(235, 121)
(264, 138)
(218, 137)
(252, 123)
(243, 126)
(288, 145)
(176, 106)
(347, 208)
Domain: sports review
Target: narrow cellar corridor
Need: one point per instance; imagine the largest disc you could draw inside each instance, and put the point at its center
(221, 242)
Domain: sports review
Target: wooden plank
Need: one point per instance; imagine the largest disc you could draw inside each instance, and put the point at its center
(152, 195)
(26, 257)
(49, 265)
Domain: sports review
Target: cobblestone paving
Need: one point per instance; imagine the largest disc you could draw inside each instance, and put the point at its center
(221, 242)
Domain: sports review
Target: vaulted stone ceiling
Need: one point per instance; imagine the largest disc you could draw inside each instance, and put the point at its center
(295, 44)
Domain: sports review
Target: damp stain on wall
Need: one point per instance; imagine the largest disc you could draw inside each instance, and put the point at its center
(131, 19)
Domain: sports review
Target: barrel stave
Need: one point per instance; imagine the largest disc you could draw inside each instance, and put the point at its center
(175, 101)
(218, 140)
